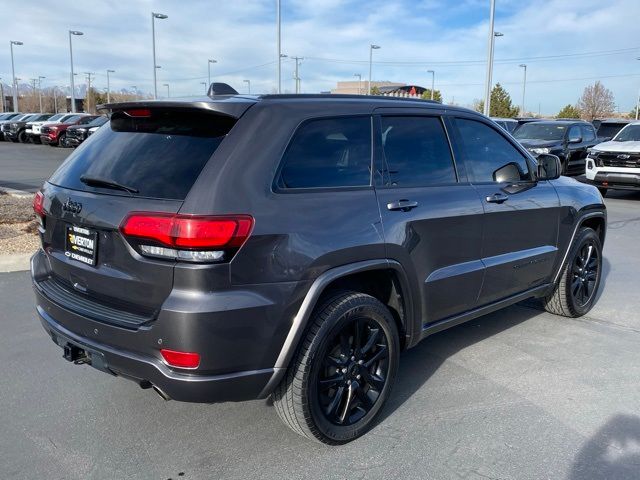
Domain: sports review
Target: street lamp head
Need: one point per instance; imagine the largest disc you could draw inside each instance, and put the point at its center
(41, 77)
(498, 34)
(523, 65)
(282, 55)
(375, 47)
(165, 84)
(111, 71)
(14, 42)
(158, 66)
(75, 32)
(160, 16)
(212, 61)
(431, 71)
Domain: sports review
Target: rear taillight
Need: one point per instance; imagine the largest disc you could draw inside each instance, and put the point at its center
(180, 359)
(38, 204)
(187, 237)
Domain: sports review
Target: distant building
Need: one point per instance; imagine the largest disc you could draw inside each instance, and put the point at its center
(392, 89)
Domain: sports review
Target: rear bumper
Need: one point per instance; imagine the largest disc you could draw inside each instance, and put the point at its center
(238, 336)
(148, 371)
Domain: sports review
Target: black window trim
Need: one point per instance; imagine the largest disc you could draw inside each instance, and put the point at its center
(380, 164)
(295, 190)
(531, 162)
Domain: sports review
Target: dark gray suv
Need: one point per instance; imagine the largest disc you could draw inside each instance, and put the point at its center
(240, 247)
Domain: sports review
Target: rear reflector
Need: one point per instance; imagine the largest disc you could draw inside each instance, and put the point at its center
(38, 204)
(180, 359)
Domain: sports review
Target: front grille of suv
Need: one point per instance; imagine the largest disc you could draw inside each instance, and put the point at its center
(624, 160)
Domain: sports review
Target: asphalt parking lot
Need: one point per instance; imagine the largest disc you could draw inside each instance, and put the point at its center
(519, 394)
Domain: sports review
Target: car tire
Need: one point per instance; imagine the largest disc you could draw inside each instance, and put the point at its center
(22, 137)
(603, 191)
(62, 140)
(338, 381)
(575, 292)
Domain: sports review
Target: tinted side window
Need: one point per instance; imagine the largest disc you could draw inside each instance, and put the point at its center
(328, 152)
(489, 156)
(588, 133)
(574, 132)
(416, 152)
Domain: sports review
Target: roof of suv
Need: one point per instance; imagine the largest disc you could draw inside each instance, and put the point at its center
(235, 105)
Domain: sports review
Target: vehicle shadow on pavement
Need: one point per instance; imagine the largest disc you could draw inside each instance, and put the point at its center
(418, 364)
(612, 453)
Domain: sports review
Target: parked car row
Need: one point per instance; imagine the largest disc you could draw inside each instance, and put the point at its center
(61, 129)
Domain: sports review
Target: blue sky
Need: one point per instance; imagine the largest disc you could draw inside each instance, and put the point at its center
(333, 37)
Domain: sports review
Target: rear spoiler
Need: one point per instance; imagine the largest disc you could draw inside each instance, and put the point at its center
(231, 106)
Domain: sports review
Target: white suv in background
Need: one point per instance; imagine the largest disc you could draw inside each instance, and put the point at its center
(616, 164)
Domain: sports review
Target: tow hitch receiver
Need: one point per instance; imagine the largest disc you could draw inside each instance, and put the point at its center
(75, 354)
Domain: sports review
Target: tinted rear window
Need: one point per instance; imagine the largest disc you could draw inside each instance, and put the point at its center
(160, 156)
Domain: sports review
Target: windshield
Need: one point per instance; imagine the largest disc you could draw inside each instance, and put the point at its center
(630, 133)
(540, 131)
(57, 117)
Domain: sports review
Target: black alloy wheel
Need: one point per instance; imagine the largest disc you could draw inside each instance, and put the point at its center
(354, 371)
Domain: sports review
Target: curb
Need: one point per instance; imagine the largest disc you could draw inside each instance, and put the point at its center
(16, 193)
(17, 262)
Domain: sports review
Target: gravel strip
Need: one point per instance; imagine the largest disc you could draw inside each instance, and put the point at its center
(18, 226)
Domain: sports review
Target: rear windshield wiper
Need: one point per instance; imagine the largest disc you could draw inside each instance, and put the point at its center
(104, 182)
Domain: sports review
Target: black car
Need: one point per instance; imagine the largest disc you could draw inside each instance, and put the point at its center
(608, 128)
(77, 134)
(17, 131)
(569, 140)
(238, 247)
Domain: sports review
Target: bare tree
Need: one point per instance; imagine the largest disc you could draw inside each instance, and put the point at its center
(596, 102)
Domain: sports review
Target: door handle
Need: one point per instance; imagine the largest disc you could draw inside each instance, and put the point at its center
(497, 198)
(403, 205)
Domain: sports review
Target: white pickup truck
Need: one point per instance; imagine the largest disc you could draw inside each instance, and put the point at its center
(616, 164)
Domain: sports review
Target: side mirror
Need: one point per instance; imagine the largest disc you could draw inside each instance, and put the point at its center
(575, 139)
(507, 173)
(549, 167)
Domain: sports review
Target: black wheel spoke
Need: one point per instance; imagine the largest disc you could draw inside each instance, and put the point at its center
(381, 353)
(364, 399)
(356, 335)
(370, 341)
(374, 380)
(335, 402)
(345, 345)
(331, 382)
(347, 405)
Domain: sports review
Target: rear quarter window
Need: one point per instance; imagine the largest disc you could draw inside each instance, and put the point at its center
(160, 155)
(328, 153)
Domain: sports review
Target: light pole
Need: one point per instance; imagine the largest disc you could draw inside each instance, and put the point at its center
(487, 102)
(209, 62)
(166, 85)
(279, 46)
(159, 16)
(109, 85)
(40, 91)
(248, 82)
(638, 99)
(359, 82)
(206, 88)
(433, 81)
(73, 88)
(524, 87)
(371, 49)
(487, 86)
(296, 75)
(2, 95)
(13, 75)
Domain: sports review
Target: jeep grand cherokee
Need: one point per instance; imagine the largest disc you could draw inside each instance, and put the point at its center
(240, 247)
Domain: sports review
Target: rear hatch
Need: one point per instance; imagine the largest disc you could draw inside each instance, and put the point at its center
(143, 160)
